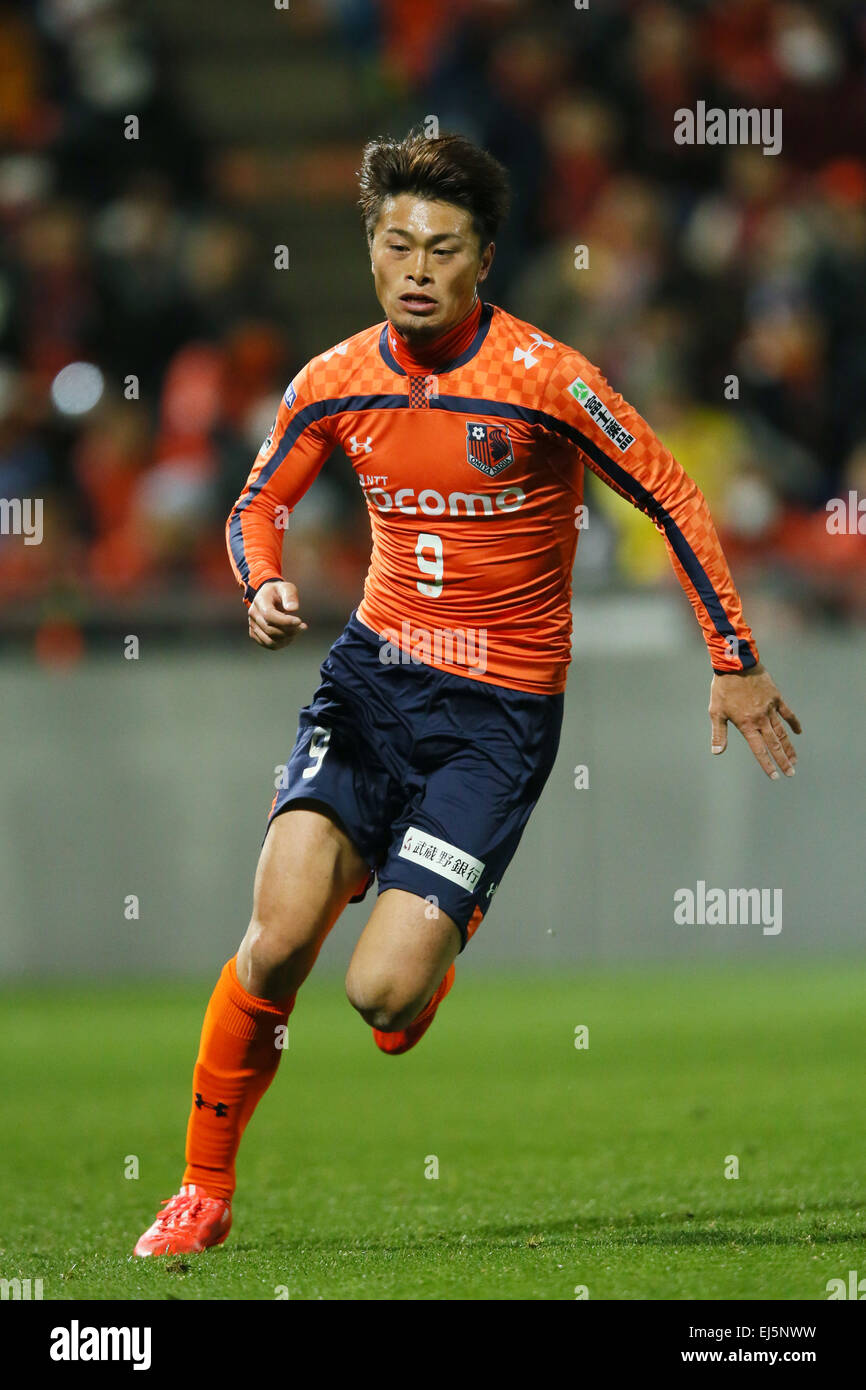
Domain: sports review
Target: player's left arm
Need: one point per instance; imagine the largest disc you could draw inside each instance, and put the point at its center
(624, 452)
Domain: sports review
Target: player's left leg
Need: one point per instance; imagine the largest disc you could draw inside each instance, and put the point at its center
(401, 959)
(477, 767)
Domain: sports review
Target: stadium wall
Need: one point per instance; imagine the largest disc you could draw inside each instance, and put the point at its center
(151, 779)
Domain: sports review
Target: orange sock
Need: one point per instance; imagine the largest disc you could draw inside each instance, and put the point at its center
(237, 1060)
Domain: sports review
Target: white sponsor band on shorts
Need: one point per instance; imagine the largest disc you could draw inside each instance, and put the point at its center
(449, 861)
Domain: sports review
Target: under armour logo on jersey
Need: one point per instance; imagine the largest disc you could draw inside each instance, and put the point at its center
(525, 356)
(367, 446)
(341, 348)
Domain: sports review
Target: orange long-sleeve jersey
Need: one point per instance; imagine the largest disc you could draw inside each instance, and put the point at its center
(470, 455)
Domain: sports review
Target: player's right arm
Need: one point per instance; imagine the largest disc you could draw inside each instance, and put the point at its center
(287, 464)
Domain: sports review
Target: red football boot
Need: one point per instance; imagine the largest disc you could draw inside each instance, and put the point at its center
(190, 1222)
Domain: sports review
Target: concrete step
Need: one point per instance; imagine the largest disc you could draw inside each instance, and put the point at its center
(227, 23)
(278, 87)
(272, 100)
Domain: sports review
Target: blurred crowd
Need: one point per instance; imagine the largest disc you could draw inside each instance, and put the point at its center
(722, 290)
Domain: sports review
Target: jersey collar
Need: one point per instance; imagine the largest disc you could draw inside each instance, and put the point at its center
(443, 354)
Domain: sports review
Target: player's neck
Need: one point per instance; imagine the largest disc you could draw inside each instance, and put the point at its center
(421, 356)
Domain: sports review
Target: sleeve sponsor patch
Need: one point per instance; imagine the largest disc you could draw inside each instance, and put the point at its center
(291, 395)
(447, 860)
(600, 415)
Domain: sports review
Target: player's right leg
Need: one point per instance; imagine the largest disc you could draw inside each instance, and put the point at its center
(307, 872)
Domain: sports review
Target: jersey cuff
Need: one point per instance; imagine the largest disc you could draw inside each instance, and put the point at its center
(736, 670)
(250, 592)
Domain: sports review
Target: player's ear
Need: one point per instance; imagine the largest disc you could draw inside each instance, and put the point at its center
(486, 262)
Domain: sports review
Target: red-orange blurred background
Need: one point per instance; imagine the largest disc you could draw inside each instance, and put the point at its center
(154, 258)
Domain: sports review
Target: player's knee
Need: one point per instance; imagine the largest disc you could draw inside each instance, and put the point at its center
(381, 1003)
(388, 1019)
(270, 949)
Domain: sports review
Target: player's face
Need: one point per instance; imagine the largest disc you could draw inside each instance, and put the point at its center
(426, 264)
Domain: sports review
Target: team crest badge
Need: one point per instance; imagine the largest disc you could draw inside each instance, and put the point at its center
(488, 447)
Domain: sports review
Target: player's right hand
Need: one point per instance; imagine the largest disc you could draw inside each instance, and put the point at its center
(273, 615)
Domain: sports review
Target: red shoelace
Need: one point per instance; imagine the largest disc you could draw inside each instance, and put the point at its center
(182, 1209)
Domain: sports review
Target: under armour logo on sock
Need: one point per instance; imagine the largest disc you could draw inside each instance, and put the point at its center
(200, 1103)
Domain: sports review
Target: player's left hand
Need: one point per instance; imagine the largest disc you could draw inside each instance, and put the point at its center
(752, 702)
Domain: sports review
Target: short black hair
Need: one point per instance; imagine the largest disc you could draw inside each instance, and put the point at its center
(442, 168)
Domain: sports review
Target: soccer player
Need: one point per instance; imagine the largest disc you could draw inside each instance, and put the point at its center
(437, 720)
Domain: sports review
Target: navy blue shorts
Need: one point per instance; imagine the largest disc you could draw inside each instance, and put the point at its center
(433, 776)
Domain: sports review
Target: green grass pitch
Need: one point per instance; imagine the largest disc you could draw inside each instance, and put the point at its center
(558, 1167)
